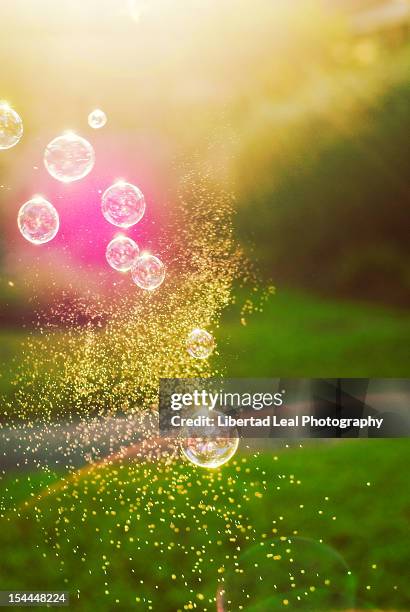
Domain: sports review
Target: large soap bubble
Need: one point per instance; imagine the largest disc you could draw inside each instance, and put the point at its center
(11, 127)
(148, 272)
(200, 343)
(97, 119)
(209, 452)
(288, 574)
(210, 446)
(121, 253)
(69, 157)
(123, 204)
(38, 220)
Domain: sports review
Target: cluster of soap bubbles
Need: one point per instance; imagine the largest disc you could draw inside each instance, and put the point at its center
(147, 271)
(68, 158)
(123, 205)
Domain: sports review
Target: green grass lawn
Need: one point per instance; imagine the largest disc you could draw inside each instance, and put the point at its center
(153, 537)
(161, 535)
(298, 335)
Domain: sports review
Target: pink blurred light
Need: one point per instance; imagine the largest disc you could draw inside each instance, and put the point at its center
(84, 233)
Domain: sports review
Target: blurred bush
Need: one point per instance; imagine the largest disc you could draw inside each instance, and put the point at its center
(325, 194)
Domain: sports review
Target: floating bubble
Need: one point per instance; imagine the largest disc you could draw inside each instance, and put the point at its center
(211, 446)
(121, 253)
(38, 220)
(11, 127)
(123, 204)
(209, 452)
(200, 343)
(69, 157)
(97, 119)
(294, 573)
(148, 272)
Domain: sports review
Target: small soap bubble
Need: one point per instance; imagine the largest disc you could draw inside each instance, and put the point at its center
(123, 204)
(97, 119)
(11, 127)
(121, 253)
(200, 343)
(210, 446)
(69, 157)
(148, 272)
(38, 220)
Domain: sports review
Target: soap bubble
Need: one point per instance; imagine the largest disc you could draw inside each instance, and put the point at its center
(121, 253)
(38, 220)
(97, 119)
(209, 452)
(148, 272)
(11, 127)
(69, 157)
(211, 446)
(294, 573)
(200, 343)
(123, 204)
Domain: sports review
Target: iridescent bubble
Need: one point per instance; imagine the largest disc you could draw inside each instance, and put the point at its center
(200, 343)
(69, 157)
(148, 272)
(209, 447)
(123, 204)
(121, 253)
(11, 127)
(38, 220)
(97, 119)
